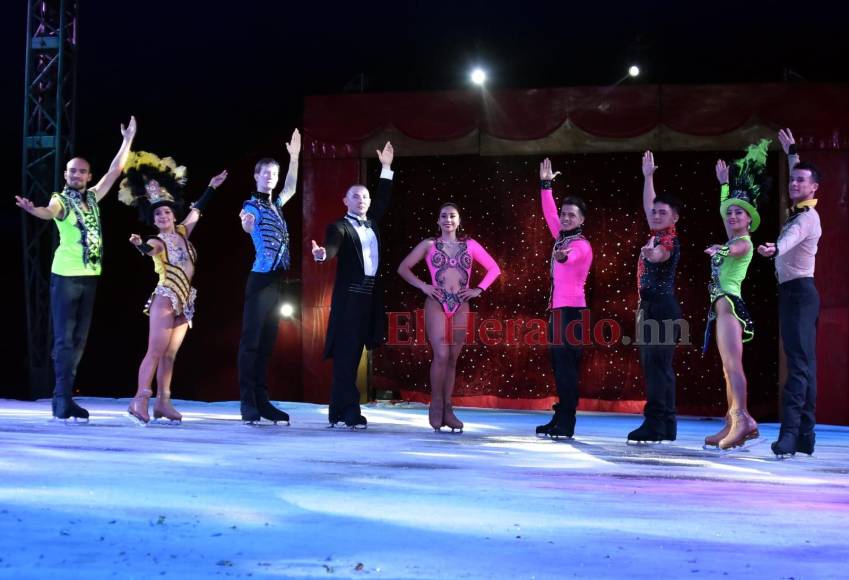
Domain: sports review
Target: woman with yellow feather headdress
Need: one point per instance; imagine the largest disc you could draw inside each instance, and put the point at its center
(155, 186)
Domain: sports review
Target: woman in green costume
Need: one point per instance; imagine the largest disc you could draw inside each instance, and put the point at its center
(741, 185)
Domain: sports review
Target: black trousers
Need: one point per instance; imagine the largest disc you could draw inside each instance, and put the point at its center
(798, 313)
(71, 306)
(354, 330)
(565, 348)
(260, 322)
(658, 332)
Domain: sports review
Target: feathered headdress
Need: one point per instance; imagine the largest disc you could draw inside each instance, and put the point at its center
(748, 182)
(142, 167)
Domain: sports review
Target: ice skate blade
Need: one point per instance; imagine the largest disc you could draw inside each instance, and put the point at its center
(136, 420)
(70, 421)
(276, 421)
(744, 447)
(637, 443)
(262, 423)
(167, 421)
(784, 456)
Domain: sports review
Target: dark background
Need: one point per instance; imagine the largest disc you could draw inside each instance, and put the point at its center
(219, 87)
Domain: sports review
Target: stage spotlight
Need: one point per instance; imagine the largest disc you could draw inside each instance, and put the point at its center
(634, 71)
(478, 77)
(287, 310)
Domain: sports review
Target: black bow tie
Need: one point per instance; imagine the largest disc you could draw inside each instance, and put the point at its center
(360, 222)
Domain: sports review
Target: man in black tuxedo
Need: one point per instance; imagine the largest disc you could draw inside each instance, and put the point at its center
(356, 309)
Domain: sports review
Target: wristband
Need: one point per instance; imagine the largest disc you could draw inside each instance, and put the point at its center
(144, 248)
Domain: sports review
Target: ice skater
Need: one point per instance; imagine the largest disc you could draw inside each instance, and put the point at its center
(449, 258)
(357, 312)
(571, 259)
(155, 187)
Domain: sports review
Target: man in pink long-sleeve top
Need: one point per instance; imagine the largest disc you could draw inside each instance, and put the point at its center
(571, 258)
(798, 303)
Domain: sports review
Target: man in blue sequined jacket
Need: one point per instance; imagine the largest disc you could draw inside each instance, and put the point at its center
(262, 218)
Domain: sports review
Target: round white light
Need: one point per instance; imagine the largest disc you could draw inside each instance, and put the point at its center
(287, 310)
(634, 70)
(478, 76)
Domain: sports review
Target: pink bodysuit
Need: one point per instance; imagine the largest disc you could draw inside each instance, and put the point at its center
(569, 277)
(450, 268)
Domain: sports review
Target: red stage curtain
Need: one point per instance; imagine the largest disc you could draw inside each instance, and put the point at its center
(819, 111)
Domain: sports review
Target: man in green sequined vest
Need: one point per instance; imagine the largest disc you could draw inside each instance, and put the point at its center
(76, 266)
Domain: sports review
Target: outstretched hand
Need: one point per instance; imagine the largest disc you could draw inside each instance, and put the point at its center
(387, 155)
(721, 171)
(545, 172)
(713, 249)
(319, 254)
(136, 240)
(767, 250)
(218, 179)
(129, 131)
(294, 144)
(247, 218)
(562, 254)
(648, 250)
(648, 164)
(24, 203)
(785, 137)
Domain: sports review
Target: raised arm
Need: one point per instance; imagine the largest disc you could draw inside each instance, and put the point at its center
(197, 207)
(53, 210)
(291, 182)
(788, 144)
(384, 186)
(549, 207)
(722, 176)
(405, 270)
(105, 184)
(792, 234)
(648, 184)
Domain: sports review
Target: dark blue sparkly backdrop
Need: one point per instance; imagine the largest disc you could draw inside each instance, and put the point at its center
(500, 205)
